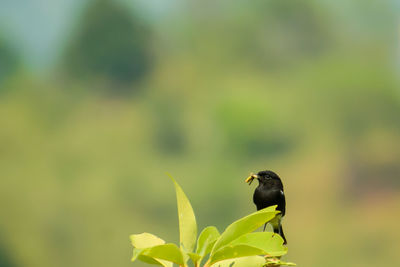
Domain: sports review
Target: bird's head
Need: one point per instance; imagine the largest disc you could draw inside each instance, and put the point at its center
(262, 176)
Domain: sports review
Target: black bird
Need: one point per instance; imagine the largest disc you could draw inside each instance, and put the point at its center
(269, 192)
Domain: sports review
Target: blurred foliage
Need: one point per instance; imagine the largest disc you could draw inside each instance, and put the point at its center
(169, 136)
(306, 88)
(5, 256)
(9, 61)
(110, 43)
(280, 34)
(251, 126)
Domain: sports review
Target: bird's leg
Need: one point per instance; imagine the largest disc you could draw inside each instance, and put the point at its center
(265, 225)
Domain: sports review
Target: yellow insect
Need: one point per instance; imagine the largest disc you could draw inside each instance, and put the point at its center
(251, 178)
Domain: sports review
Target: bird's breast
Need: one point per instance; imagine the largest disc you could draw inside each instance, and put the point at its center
(264, 197)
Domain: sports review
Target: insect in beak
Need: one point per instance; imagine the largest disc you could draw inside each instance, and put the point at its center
(251, 178)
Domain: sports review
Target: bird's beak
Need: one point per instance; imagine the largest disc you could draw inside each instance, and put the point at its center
(251, 178)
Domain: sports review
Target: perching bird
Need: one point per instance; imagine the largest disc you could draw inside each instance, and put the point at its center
(269, 192)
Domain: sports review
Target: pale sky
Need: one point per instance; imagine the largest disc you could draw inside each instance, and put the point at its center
(39, 28)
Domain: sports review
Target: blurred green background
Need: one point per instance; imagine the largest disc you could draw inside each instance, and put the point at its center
(98, 99)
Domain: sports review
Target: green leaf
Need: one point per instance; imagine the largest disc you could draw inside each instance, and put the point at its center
(270, 243)
(187, 220)
(243, 226)
(149, 260)
(277, 262)
(205, 243)
(250, 261)
(137, 254)
(165, 263)
(194, 257)
(168, 252)
(232, 252)
(251, 244)
(145, 240)
(206, 240)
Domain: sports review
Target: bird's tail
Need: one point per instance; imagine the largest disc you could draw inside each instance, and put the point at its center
(279, 230)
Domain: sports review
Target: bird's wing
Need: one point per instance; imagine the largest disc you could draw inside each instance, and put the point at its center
(282, 203)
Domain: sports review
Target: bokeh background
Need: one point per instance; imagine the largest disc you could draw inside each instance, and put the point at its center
(99, 98)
